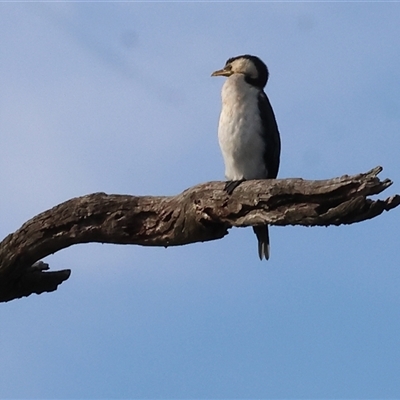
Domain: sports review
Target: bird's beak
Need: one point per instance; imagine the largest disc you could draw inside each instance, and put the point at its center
(222, 72)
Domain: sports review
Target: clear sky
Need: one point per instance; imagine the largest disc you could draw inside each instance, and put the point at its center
(117, 97)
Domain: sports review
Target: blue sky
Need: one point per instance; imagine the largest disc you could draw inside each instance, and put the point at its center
(117, 97)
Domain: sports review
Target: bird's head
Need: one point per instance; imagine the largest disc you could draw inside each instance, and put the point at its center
(254, 70)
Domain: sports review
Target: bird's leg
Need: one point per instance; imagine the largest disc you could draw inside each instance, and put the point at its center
(230, 186)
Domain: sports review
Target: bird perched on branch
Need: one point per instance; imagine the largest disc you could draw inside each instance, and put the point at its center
(248, 133)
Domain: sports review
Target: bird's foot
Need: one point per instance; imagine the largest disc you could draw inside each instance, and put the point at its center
(230, 186)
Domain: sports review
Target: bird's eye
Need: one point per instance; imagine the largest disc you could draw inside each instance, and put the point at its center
(228, 67)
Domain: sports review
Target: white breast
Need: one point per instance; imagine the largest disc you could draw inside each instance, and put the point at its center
(240, 129)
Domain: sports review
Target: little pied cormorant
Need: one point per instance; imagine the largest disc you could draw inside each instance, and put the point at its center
(248, 133)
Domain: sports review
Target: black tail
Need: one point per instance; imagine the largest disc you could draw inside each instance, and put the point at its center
(262, 234)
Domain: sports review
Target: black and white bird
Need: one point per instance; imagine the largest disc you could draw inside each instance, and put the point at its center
(248, 133)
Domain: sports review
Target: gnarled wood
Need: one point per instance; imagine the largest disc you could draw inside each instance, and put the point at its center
(203, 212)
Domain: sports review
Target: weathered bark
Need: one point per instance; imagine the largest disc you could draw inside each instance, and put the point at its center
(203, 212)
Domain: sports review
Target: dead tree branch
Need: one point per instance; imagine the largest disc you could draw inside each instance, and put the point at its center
(203, 212)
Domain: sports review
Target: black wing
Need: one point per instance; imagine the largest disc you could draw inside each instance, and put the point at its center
(270, 135)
